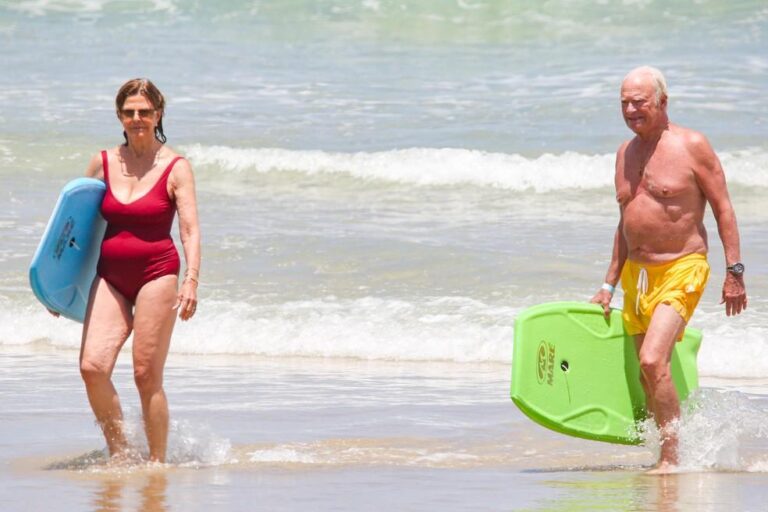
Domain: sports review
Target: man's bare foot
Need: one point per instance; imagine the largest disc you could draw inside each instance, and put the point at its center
(662, 468)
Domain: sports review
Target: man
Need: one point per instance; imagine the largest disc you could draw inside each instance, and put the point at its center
(664, 178)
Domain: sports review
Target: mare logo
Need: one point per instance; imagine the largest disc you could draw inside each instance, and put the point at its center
(545, 363)
(61, 242)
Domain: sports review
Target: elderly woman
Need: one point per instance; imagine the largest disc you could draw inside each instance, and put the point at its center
(136, 288)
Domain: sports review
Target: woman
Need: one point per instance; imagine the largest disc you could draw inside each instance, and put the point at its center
(136, 287)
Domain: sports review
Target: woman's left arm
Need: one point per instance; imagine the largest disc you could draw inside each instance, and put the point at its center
(183, 183)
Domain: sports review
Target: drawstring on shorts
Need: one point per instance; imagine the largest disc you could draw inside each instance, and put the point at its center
(642, 288)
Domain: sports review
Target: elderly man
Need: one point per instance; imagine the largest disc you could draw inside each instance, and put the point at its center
(664, 178)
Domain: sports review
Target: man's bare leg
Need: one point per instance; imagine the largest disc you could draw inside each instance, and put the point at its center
(655, 354)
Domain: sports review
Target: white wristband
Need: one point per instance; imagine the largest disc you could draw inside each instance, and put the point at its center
(608, 287)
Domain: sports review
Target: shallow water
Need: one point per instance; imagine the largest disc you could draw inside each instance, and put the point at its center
(349, 434)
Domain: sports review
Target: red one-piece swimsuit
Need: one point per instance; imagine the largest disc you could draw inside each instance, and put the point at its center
(137, 246)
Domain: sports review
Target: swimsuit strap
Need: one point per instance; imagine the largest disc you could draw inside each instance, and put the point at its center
(167, 172)
(105, 165)
(162, 181)
(168, 169)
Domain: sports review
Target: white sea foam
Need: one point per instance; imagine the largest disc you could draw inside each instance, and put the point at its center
(367, 328)
(456, 329)
(748, 167)
(365, 451)
(25, 324)
(438, 329)
(418, 166)
(449, 167)
(42, 7)
(281, 454)
(759, 466)
(45, 7)
(732, 348)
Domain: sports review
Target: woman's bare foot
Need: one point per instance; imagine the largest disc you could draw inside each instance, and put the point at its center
(125, 457)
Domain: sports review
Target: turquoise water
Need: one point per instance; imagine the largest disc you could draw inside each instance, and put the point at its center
(374, 173)
(512, 77)
(380, 183)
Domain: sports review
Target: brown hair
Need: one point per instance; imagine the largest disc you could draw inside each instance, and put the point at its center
(147, 89)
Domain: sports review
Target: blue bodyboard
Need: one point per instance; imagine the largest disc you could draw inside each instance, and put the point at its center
(64, 265)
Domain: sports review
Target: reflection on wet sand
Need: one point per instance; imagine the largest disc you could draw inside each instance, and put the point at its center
(119, 486)
(153, 494)
(667, 492)
(111, 494)
(638, 491)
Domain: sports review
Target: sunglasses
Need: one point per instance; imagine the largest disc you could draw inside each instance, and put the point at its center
(130, 113)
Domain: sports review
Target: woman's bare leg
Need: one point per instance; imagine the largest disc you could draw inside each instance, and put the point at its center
(153, 323)
(107, 325)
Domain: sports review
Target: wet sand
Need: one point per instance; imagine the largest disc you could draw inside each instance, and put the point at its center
(251, 433)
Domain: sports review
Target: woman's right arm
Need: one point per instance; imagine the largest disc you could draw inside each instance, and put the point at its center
(95, 168)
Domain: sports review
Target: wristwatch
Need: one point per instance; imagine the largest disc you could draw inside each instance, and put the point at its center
(736, 269)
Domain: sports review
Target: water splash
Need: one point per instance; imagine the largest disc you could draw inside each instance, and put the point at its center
(189, 445)
(719, 430)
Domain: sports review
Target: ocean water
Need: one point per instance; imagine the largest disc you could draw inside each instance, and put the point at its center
(382, 186)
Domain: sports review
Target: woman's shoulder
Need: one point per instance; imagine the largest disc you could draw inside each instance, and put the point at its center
(180, 162)
(181, 173)
(169, 152)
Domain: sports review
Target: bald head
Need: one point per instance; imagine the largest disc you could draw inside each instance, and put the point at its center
(646, 74)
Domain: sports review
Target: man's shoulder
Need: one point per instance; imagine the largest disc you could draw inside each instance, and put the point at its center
(689, 137)
(696, 145)
(624, 145)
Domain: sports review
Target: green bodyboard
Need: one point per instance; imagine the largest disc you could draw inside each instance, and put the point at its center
(576, 371)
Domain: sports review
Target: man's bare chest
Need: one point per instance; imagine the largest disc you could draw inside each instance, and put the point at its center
(662, 175)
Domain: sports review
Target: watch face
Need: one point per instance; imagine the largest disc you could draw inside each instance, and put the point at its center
(737, 268)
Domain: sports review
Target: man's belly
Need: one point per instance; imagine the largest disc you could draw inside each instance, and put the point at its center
(663, 241)
(656, 233)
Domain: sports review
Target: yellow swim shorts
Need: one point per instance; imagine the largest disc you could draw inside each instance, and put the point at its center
(678, 283)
